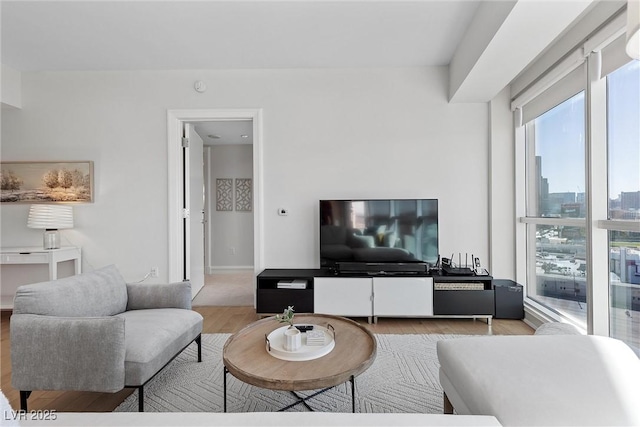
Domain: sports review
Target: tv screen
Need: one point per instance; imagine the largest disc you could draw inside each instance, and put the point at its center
(378, 231)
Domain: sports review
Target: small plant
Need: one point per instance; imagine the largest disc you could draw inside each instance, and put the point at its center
(286, 316)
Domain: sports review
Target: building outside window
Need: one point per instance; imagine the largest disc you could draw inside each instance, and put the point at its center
(578, 204)
(623, 144)
(556, 176)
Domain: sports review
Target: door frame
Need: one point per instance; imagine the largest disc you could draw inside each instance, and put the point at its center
(175, 120)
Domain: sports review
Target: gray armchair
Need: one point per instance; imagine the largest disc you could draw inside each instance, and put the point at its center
(94, 332)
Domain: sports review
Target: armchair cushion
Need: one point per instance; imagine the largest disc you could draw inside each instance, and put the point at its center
(101, 292)
(153, 337)
(153, 295)
(67, 353)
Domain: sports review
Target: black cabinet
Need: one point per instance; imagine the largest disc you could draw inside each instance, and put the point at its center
(463, 303)
(463, 296)
(509, 299)
(272, 299)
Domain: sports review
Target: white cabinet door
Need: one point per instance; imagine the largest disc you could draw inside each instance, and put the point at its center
(403, 296)
(342, 296)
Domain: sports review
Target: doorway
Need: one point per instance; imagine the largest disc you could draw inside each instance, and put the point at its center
(228, 207)
(180, 259)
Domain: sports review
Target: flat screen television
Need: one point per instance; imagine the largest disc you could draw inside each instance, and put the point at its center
(378, 231)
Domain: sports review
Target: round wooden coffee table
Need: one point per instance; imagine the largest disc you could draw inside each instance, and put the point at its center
(245, 356)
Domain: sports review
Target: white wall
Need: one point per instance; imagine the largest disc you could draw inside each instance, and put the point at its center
(231, 232)
(10, 90)
(502, 178)
(328, 133)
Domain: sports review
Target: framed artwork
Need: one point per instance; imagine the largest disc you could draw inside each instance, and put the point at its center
(224, 194)
(46, 182)
(243, 195)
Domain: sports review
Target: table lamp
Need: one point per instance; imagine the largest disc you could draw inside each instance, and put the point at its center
(51, 218)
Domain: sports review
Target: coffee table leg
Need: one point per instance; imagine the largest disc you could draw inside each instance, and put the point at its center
(301, 400)
(224, 381)
(353, 394)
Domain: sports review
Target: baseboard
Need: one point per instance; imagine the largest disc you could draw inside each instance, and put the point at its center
(532, 318)
(222, 269)
(6, 302)
(536, 315)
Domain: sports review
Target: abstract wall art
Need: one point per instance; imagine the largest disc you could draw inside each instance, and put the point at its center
(244, 195)
(224, 194)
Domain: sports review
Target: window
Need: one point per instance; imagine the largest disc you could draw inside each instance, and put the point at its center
(578, 191)
(558, 173)
(556, 256)
(623, 141)
(623, 146)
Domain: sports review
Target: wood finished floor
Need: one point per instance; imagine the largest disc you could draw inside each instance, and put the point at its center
(228, 320)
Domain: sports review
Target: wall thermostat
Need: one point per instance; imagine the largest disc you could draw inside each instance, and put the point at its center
(200, 86)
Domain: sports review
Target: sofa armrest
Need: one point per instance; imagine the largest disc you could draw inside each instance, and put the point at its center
(67, 353)
(154, 295)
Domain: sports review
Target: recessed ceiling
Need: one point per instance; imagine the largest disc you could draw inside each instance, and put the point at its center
(165, 35)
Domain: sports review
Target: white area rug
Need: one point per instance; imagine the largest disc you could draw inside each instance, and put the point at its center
(403, 378)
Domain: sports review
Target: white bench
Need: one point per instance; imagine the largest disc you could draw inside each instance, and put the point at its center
(542, 380)
(261, 419)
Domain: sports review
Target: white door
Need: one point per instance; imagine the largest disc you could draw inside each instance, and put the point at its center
(194, 224)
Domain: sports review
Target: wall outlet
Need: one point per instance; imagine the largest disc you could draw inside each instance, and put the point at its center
(283, 211)
(232, 250)
(154, 271)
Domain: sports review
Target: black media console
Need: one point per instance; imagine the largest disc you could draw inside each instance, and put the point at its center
(273, 300)
(440, 295)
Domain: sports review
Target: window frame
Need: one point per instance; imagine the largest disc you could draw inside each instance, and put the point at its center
(596, 222)
(530, 222)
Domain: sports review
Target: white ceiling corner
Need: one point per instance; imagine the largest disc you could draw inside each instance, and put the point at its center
(484, 53)
(496, 50)
(164, 35)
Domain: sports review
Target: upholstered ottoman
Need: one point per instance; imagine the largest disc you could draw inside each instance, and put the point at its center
(557, 328)
(542, 380)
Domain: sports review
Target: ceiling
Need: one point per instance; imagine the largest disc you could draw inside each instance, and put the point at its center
(180, 34)
(225, 132)
(484, 43)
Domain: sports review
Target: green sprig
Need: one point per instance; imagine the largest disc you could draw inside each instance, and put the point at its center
(286, 316)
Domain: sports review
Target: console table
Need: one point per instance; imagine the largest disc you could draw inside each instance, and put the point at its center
(33, 255)
(373, 296)
(36, 255)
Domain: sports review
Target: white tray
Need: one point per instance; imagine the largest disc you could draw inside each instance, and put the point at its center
(275, 345)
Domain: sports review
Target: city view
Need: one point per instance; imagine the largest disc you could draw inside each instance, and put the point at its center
(558, 177)
(561, 266)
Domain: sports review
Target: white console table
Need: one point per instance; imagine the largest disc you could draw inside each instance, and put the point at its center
(34, 255)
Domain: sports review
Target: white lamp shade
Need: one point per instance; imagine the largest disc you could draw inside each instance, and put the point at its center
(50, 217)
(633, 28)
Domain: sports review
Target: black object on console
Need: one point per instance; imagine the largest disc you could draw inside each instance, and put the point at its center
(508, 299)
(457, 271)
